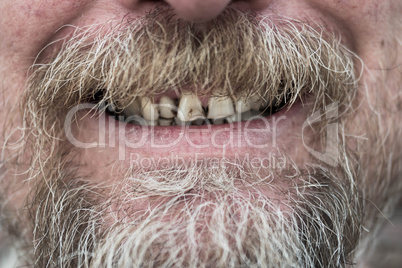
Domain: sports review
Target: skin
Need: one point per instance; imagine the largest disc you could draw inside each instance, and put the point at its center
(369, 28)
(365, 27)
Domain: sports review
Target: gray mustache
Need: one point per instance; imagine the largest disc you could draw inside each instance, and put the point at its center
(238, 55)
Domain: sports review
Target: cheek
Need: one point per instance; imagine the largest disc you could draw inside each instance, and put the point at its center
(12, 84)
(353, 10)
(367, 21)
(28, 25)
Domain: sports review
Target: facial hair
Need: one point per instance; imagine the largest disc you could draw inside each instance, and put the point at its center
(205, 219)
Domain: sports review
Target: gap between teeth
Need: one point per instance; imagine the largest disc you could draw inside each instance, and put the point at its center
(188, 110)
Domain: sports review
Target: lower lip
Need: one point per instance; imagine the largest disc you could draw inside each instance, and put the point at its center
(227, 140)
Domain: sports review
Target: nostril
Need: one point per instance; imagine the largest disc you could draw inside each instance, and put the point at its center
(195, 10)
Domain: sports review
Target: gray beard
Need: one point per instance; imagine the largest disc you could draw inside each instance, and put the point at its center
(201, 218)
(233, 217)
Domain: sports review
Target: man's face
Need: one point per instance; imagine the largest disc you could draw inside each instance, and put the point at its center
(198, 133)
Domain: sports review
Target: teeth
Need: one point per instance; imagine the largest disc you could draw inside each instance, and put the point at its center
(133, 108)
(167, 107)
(242, 106)
(190, 109)
(220, 108)
(165, 122)
(235, 118)
(152, 123)
(250, 115)
(149, 111)
(256, 102)
(245, 116)
(178, 122)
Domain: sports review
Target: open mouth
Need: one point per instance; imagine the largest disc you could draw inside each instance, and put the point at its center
(162, 91)
(192, 125)
(188, 109)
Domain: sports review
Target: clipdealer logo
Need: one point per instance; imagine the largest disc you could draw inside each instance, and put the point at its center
(331, 153)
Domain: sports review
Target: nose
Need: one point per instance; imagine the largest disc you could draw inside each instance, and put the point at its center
(198, 10)
(190, 10)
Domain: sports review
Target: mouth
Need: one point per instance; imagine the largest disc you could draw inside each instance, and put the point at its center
(167, 121)
(165, 90)
(194, 126)
(188, 109)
